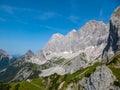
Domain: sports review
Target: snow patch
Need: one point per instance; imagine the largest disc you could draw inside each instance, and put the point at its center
(74, 30)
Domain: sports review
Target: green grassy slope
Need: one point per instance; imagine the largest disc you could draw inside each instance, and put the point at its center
(55, 82)
(52, 82)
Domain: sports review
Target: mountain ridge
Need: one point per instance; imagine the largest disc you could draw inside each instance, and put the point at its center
(76, 61)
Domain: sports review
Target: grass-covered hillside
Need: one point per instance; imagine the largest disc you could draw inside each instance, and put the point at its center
(53, 82)
(57, 82)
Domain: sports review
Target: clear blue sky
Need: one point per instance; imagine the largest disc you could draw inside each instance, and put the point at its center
(29, 24)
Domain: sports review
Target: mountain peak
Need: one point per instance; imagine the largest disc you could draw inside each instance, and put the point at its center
(91, 26)
(94, 22)
(57, 35)
(115, 18)
(117, 12)
(73, 30)
(2, 52)
(29, 53)
(27, 56)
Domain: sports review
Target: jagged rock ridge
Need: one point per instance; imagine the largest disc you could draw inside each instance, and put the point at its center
(92, 33)
(93, 37)
(79, 48)
(4, 54)
(5, 59)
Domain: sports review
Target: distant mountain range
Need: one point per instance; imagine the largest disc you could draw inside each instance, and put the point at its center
(84, 59)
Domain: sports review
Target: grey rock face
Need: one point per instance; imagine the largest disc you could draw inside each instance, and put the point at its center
(5, 59)
(4, 54)
(90, 40)
(113, 43)
(19, 70)
(92, 34)
(101, 79)
(28, 55)
(75, 63)
(23, 74)
(39, 58)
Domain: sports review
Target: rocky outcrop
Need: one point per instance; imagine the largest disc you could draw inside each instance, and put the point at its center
(5, 59)
(4, 54)
(27, 56)
(113, 43)
(19, 70)
(101, 79)
(39, 58)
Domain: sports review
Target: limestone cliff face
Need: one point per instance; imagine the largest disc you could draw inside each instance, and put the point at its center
(93, 33)
(90, 39)
(5, 59)
(78, 48)
(27, 56)
(101, 79)
(4, 54)
(113, 43)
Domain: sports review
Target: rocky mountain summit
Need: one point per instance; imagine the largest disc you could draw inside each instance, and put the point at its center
(4, 54)
(5, 59)
(73, 61)
(93, 33)
(20, 69)
(27, 56)
(78, 48)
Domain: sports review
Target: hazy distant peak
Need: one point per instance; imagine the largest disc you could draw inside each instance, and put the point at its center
(29, 53)
(2, 52)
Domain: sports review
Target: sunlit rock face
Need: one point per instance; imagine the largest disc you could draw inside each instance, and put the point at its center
(90, 39)
(5, 59)
(39, 58)
(27, 56)
(79, 48)
(113, 43)
(4, 54)
(101, 79)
